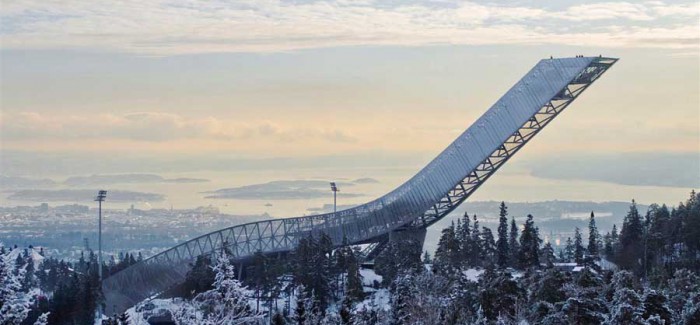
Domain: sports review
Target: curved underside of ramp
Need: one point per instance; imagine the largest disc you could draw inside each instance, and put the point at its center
(436, 190)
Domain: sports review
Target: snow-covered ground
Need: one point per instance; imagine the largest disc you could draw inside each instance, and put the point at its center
(140, 313)
(369, 277)
(36, 257)
(473, 274)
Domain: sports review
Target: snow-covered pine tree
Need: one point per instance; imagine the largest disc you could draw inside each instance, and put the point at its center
(631, 240)
(366, 315)
(401, 295)
(320, 272)
(44, 319)
(427, 259)
(608, 246)
(227, 303)
(530, 244)
(593, 238)
(578, 247)
(480, 318)
(464, 238)
(684, 287)
(477, 251)
(447, 253)
(513, 243)
(547, 255)
(549, 287)
(627, 308)
(488, 246)
(300, 311)
(14, 305)
(502, 250)
(569, 250)
(354, 290)
(656, 304)
(500, 294)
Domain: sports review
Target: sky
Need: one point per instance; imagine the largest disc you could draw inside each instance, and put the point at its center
(264, 89)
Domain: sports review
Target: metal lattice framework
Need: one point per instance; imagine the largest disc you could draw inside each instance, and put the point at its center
(514, 143)
(435, 191)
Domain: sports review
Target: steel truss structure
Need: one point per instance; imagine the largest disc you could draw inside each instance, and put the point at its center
(447, 181)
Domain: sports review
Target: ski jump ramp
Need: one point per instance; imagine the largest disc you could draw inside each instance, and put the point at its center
(449, 179)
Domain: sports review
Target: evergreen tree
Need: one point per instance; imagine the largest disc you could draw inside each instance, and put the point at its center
(488, 246)
(199, 278)
(464, 238)
(691, 229)
(631, 240)
(500, 294)
(227, 303)
(513, 243)
(627, 308)
(321, 272)
(354, 290)
(658, 236)
(578, 247)
(569, 250)
(477, 249)
(300, 312)
(656, 304)
(44, 319)
(593, 238)
(547, 255)
(447, 252)
(426, 258)
(13, 308)
(681, 289)
(502, 250)
(402, 293)
(550, 287)
(399, 255)
(608, 246)
(529, 245)
(261, 277)
(303, 262)
(614, 243)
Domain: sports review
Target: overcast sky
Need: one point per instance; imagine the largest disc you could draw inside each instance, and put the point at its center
(302, 79)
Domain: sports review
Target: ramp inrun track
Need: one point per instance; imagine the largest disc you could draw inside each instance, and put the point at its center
(449, 179)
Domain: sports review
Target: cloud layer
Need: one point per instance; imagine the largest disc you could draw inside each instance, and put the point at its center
(169, 27)
(154, 127)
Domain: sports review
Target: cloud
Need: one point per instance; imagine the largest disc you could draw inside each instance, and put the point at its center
(179, 27)
(16, 182)
(610, 10)
(155, 127)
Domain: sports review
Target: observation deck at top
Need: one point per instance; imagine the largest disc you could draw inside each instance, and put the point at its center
(436, 190)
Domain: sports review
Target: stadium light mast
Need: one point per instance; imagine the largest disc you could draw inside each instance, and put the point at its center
(101, 195)
(335, 190)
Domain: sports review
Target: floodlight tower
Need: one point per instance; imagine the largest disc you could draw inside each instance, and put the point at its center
(101, 195)
(335, 190)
